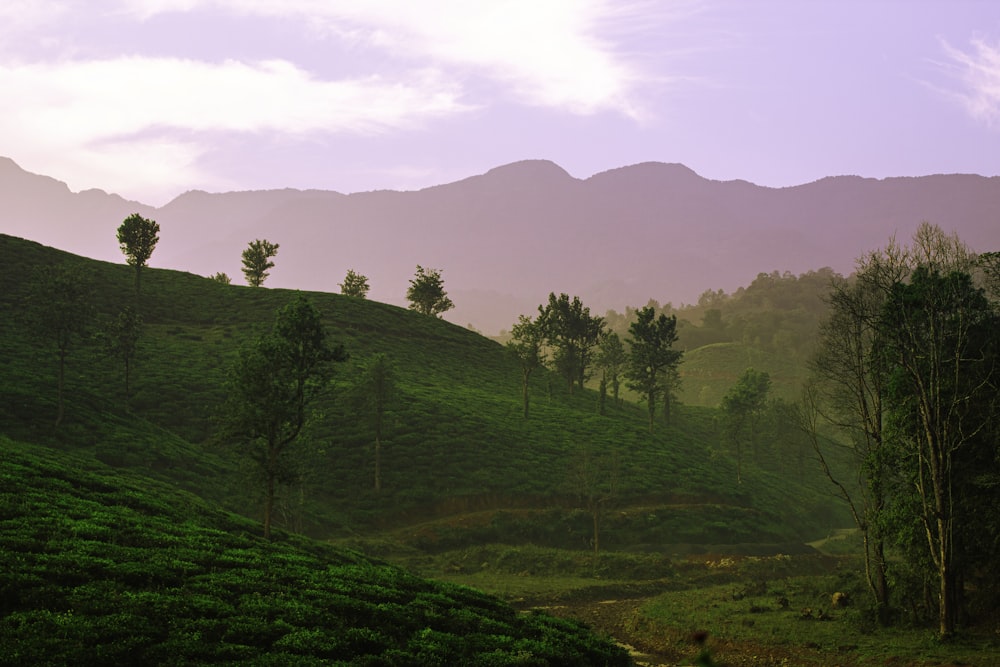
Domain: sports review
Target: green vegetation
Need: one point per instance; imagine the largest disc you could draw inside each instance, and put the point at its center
(580, 500)
(257, 261)
(105, 567)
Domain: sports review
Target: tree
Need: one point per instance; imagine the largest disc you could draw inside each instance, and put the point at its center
(612, 359)
(378, 391)
(527, 339)
(121, 339)
(596, 479)
(907, 370)
(426, 293)
(355, 285)
(651, 356)
(223, 278)
(574, 333)
(257, 261)
(60, 304)
(273, 385)
(137, 237)
(941, 341)
(849, 392)
(742, 406)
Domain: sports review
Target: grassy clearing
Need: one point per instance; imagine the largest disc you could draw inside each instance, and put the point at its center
(796, 614)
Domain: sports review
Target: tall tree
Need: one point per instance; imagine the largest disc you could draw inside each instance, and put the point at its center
(573, 333)
(651, 356)
(849, 393)
(273, 385)
(355, 285)
(612, 360)
(426, 293)
(526, 342)
(137, 238)
(121, 339)
(941, 341)
(378, 391)
(742, 407)
(61, 309)
(257, 261)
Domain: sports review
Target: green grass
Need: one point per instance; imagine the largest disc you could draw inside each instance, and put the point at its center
(796, 613)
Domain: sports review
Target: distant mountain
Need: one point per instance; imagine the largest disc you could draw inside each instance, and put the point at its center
(506, 238)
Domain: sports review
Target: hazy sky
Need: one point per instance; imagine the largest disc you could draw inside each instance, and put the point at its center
(149, 98)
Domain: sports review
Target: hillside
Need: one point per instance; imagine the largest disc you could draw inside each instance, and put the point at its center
(99, 566)
(506, 238)
(458, 441)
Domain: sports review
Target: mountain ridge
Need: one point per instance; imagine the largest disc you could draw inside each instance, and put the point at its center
(505, 238)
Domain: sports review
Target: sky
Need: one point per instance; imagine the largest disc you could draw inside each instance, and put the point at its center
(152, 98)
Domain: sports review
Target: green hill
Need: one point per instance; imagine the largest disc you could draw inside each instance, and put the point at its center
(457, 442)
(101, 567)
(461, 470)
(709, 371)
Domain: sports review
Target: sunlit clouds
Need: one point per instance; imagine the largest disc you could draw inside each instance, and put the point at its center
(978, 70)
(557, 53)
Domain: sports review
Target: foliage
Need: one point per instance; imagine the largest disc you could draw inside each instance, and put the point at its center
(742, 407)
(458, 441)
(652, 361)
(527, 339)
(137, 237)
(275, 381)
(426, 293)
(612, 360)
(223, 278)
(574, 333)
(355, 285)
(907, 373)
(101, 567)
(257, 261)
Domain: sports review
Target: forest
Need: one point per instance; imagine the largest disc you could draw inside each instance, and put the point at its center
(801, 469)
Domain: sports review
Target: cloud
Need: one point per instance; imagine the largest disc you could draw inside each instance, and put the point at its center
(554, 53)
(978, 70)
(139, 119)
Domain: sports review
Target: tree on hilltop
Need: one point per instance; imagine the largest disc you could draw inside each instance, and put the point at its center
(257, 261)
(137, 238)
(355, 285)
(426, 293)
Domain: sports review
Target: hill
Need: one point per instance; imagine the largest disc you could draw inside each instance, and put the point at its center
(100, 566)
(458, 441)
(120, 518)
(506, 238)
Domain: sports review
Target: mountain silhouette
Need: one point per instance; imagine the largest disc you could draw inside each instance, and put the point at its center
(505, 239)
